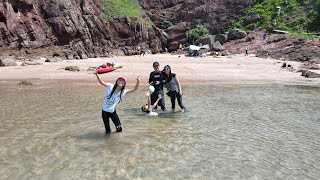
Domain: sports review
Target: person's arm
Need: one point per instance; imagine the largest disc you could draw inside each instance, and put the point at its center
(177, 80)
(156, 103)
(151, 78)
(136, 87)
(149, 101)
(99, 79)
(163, 78)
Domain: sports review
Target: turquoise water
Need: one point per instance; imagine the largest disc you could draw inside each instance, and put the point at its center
(230, 132)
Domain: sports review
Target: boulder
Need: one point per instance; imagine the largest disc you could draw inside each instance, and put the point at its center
(206, 40)
(241, 34)
(32, 62)
(72, 68)
(222, 38)
(310, 74)
(54, 59)
(216, 46)
(232, 34)
(252, 19)
(7, 62)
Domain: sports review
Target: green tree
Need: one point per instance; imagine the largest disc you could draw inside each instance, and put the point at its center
(194, 34)
(313, 18)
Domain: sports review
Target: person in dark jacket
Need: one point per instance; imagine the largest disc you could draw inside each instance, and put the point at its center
(156, 79)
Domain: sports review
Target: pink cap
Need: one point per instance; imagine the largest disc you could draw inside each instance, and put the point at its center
(122, 79)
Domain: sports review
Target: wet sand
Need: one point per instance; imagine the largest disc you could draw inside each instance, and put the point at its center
(235, 69)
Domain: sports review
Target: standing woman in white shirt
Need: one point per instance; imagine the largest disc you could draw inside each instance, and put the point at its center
(113, 96)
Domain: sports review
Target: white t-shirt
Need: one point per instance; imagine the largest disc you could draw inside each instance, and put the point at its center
(110, 104)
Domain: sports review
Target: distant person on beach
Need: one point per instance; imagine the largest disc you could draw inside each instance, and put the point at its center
(156, 79)
(149, 108)
(174, 88)
(247, 50)
(265, 35)
(142, 50)
(113, 96)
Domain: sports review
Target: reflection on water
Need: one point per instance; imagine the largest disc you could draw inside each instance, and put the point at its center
(229, 132)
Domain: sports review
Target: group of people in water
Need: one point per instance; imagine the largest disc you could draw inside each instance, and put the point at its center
(157, 79)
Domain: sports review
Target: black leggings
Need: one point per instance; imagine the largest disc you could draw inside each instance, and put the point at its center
(173, 96)
(115, 119)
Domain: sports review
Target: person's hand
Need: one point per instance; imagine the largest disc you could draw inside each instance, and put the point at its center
(138, 78)
(180, 93)
(95, 72)
(159, 96)
(157, 82)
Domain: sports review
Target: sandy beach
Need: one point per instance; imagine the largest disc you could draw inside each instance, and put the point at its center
(235, 69)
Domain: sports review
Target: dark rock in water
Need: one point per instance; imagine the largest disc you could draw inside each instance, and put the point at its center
(25, 83)
(72, 68)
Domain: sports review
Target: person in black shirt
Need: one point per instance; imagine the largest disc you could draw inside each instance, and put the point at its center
(157, 80)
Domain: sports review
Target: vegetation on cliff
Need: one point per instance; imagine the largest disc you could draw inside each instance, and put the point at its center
(295, 16)
(123, 8)
(195, 33)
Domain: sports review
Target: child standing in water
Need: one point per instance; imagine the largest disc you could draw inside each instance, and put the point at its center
(113, 96)
(174, 88)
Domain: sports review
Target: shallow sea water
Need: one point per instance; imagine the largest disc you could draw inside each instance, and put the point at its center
(229, 132)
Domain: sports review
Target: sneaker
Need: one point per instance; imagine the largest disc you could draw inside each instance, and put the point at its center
(184, 110)
(172, 110)
(119, 128)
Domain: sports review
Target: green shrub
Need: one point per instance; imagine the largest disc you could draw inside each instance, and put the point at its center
(194, 34)
(293, 16)
(313, 18)
(123, 8)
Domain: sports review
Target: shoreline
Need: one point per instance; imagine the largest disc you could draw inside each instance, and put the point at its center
(234, 69)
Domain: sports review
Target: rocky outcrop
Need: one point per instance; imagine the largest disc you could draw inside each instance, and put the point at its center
(184, 15)
(76, 25)
(79, 26)
(277, 46)
(77, 29)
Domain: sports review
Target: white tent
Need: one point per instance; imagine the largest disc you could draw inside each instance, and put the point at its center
(194, 48)
(197, 48)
